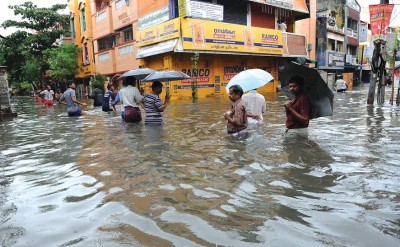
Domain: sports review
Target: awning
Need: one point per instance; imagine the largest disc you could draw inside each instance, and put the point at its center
(295, 5)
(155, 49)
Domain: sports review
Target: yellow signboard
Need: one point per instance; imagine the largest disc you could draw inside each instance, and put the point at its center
(218, 36)
(182, 8)
(164, 31)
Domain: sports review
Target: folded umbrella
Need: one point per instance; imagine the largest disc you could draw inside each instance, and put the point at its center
(318, 92)
(250, 79)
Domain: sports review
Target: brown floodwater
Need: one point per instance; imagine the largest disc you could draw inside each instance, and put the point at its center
(96, 181)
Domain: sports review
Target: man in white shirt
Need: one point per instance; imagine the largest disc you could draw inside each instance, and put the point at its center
(340, 84)
(254, 104)
(48, 96)
(131, 100)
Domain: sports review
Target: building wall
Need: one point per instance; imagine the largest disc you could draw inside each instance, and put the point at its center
(146, 6)
(262, 18)
(83, 37)
(308, 27)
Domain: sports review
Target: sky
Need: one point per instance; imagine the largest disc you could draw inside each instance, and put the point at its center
(7, 14)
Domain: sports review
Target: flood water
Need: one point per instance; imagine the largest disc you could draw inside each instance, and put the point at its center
(96, 181)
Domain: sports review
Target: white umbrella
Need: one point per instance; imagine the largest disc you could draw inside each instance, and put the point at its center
(138, 73)
(166, 75)
(250, 79)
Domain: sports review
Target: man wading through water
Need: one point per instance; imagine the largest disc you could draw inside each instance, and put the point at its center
(297, 110)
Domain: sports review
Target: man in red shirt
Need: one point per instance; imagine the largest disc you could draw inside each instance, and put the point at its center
(298, 109)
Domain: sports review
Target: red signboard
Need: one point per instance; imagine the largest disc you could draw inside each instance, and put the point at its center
(380, 19)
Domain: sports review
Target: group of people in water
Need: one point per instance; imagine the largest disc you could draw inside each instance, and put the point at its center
(248, 109)
(130, 98)
(245, 109)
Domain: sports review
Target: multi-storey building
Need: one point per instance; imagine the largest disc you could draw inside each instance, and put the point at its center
(338, 37)
(82, 36)
(228, 35)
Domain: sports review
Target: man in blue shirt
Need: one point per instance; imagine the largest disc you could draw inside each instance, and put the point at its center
(69, 99)
(108, 98)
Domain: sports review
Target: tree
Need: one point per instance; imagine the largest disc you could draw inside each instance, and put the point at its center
(21, 48)
(194, 59)
(62, 60)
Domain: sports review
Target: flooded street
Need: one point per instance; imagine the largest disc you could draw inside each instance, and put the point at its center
(96, 181)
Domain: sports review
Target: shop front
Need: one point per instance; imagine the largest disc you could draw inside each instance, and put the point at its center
(223, 51)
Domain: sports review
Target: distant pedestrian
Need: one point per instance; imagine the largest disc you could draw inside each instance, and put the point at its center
(97, 94)
(298, 109)
(153, 104)
(69, 98)
(108, 99)
(58, 94)
(48, 96)
(340, 84)
(255, 106)
(237, 116)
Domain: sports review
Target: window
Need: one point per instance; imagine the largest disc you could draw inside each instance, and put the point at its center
(101, 16)
(85, 54)
(104, 57)
(106, 43)
(119, 4)
(83, 20)
(72, 21)
(125, 50)
(124, 35)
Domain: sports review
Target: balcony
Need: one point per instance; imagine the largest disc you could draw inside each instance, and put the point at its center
(353, 33)
(105, 62)
(335, 28)
(125, 57)
(102, 24)
(122, 14)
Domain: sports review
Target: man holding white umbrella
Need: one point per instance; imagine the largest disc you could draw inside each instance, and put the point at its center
(250, 80)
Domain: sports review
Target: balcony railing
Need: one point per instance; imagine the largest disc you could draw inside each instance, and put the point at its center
(351, 32)
(335, 28)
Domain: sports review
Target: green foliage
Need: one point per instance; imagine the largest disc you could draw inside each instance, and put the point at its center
(22, 52)
(98, 81)
(63, 61)
(194, 59)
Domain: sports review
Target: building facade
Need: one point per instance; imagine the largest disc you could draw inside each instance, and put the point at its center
(229, 36)
(338, 23)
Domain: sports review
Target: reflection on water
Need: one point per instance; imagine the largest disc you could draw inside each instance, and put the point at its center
(97, 181)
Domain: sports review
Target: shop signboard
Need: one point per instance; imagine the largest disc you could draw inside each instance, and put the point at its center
(380, 15)
(153, 18)
(162, 32)
(224, 37)
(335, 60)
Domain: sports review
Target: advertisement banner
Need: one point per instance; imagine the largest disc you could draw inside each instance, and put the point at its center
(165, 31)
(216, 36)
(363, 33)
(380, 15)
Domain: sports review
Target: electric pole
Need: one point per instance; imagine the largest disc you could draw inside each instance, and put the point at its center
(378, 69)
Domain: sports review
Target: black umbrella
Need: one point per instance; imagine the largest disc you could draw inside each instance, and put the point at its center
(138, 73)
(321, 97)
